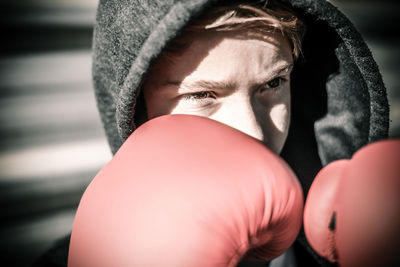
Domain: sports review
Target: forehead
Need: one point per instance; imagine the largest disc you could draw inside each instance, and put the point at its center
(225, 55)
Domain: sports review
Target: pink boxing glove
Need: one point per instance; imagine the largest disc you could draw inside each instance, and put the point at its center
(187, 191)
(352, 211)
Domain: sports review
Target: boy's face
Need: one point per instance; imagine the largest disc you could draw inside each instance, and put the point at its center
(240, 80)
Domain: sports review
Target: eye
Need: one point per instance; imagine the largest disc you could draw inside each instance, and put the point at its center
(198, 96)
(273, 84)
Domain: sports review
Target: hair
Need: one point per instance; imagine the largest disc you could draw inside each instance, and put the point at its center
(270, 18)
(263, 19)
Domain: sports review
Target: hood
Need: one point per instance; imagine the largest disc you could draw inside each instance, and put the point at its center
(339, 101)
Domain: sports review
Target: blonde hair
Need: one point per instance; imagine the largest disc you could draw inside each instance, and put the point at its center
(261, 20)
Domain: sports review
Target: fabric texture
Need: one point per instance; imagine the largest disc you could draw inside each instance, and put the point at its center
(339, 101)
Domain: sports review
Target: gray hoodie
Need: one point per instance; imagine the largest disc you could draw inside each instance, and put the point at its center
(339, 102)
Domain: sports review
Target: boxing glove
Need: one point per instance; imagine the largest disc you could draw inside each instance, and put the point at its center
(187, 191)
(352, 211)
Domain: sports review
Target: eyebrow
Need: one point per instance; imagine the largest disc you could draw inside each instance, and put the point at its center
(209, 84)
(203, 84)
(287, 68)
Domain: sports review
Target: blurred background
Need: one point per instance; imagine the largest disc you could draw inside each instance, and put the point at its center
(51, 139)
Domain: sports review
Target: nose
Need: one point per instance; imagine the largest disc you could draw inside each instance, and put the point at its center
(238, 112)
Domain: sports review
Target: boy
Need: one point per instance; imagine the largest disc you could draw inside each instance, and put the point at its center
(233, 66)
(232, 61)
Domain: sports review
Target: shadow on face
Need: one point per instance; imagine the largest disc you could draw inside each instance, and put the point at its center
(237, 78)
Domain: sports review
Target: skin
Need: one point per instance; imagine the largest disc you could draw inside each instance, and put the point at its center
(237, 79)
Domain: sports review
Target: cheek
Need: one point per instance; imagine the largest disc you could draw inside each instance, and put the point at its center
(277, 127)
(280, 116)
(157, 104)
(277, 108)
(201, 108)
(152, 106)
(280, 112)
